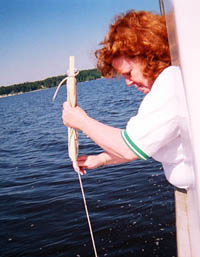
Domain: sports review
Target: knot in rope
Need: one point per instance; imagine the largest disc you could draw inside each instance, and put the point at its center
(69, 75)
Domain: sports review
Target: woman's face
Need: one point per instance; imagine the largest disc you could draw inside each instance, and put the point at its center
(132, 71)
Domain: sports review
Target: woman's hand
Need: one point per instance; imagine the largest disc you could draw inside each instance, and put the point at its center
(88, 162)
(73, 116)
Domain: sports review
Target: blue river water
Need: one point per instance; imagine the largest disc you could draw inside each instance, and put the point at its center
(42, 214)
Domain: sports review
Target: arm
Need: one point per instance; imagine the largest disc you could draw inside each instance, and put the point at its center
(107, 137)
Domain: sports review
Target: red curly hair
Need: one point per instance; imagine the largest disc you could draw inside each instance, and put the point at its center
(138, 34)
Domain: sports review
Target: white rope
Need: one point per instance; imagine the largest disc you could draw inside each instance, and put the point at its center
(58, 87)
(87, 214)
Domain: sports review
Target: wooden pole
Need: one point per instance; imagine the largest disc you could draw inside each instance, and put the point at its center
(72, 99)
(73, 137)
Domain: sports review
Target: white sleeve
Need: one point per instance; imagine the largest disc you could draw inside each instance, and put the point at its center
(156, 123)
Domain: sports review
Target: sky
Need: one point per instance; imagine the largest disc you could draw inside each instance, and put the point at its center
(38, 36)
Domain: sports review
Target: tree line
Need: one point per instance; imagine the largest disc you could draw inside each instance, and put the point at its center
(83, 75)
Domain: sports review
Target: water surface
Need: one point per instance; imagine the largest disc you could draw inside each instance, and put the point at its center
(41, 208)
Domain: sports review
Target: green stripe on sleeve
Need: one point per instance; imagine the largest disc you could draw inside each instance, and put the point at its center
(133, 147)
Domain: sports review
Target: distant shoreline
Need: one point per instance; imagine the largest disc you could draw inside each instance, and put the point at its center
(20, 93)
(84, 75)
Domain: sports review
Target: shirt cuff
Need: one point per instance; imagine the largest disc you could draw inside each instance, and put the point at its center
(134, 148)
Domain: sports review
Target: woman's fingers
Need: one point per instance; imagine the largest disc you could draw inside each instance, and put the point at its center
(82, 158)
(87, 162)
(82, 161)
(78, 169)
(73, 117)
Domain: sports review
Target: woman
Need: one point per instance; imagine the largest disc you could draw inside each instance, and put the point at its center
(136, 47)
